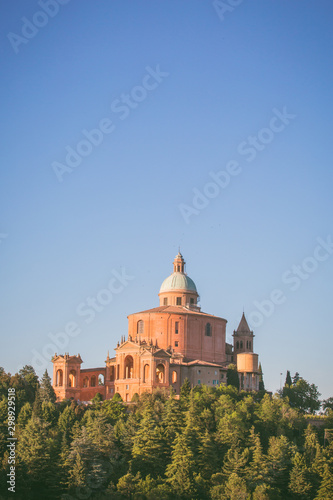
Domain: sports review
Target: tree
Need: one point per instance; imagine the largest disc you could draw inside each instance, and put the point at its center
(235, 461)
(261, 379)
(234, 489)
(66, 420)
(279, 462)
(77, 474)
(180, 472)
(46, 390)
(305, 396)
(37, 406)
(24, 415)
(114, 410)
(232, 376)
(31, 383)
(185, 389)
(149, 447)
(97, 398)
(288, 382)
(299, 484)
(327, 405)
(326, 487)
(38, 460)
(257, 471)
(117, 397)
(127, 485)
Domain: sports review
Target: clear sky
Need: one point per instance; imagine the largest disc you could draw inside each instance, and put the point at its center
(215, 134)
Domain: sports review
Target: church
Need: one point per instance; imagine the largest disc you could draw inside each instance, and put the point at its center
(165, 345)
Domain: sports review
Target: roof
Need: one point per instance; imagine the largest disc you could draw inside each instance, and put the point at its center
(178, 281)
(205, 363)
(176, 310)
(243, 326)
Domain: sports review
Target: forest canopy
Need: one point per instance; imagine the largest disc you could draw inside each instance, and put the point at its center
(209, 443)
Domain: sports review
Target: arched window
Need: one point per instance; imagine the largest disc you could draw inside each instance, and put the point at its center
(140, 326)
(174, 376)
(112, 373)
(128, 367)
(72, 378)
(100, 379)
(93, 381)
(249, 344)
(241, 344)
(237, 345)
(165, 301)
(160, 370)
(208, 330)
(59, 378)
(146, 373)
(86, 382)
(178, 301)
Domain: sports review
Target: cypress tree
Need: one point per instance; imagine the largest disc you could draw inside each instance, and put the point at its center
(232, 376)
(288, 382)
(261, 379)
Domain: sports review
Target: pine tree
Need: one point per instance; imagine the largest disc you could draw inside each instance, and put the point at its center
(299, 483)
(24, 415)
(235, 461)
(279, 462)
(208, 459)
(325, 491)
(30, 381)
(149, 447)
(66, 420)
(38, 461)
(77, 474)
(46, 390)
(180, 472)
(235, 488)
(172, 419)
(257, 471)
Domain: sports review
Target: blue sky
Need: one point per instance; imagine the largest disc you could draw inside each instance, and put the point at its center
(62, 236)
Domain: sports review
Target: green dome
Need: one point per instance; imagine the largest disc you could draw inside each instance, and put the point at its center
(178, 281)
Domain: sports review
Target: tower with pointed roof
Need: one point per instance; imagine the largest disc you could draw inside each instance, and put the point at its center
(246, 359)
(243, 337)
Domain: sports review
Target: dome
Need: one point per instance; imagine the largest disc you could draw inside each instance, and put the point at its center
(178, 281)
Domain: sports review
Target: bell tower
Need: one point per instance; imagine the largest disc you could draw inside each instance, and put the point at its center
(243, 337)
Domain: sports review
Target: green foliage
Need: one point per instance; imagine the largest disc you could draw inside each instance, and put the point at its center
(232, 376)
(185, 389)
(97, 398)
(46, 391)
(261, 379)
(212, 443)
(117, 397)
(301, 394)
